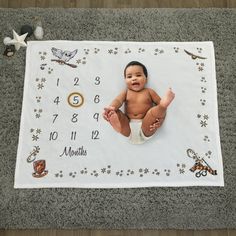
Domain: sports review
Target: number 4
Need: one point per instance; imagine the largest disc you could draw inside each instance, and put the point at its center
(57, 100)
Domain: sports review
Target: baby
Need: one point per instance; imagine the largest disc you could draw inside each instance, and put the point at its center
(144, 110)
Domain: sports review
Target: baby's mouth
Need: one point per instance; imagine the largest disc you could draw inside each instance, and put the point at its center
(135, 84)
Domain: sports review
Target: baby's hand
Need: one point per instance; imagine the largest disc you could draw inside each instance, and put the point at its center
(157, 124)
(108, 111)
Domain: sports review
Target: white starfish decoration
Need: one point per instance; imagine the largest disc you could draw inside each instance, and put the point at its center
(18, 41)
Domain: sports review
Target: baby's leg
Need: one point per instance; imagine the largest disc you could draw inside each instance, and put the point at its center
(120, 122)
(156, 115)
(154, 118)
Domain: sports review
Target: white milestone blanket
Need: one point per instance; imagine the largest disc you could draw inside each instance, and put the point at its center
(65, 142)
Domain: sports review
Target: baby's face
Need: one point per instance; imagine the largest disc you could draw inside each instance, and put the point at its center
(135, 78)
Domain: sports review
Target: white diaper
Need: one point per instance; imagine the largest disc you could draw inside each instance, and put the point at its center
(137, 136)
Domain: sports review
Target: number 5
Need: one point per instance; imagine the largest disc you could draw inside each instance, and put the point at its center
(75, 99)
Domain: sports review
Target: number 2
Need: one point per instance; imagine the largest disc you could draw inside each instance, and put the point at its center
(76, 80)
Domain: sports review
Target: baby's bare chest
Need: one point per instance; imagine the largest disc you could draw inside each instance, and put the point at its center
(142, 97)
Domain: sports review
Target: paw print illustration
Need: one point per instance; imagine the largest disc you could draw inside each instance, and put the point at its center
(200, 66)
(38, 99)
(127, 51)
(199, 50)
(84, 171)
(42, 66)
(208, 154)
(86, 51)
(143, 172)
(42, 55)
(50, 70)
(59, 175)
(73, 174)
(167, 172)
(115, 51)
(158, 51)
(120, 173)
(203, 102)
(141, 50)
(130, 172)
(206, 138)
(176, 49)
(96, 50)
(203, 79)
(94, 173)
(156, 172)
(203, 89)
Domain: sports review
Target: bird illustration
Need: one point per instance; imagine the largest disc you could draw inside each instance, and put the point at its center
(193, 56)
(64, 56)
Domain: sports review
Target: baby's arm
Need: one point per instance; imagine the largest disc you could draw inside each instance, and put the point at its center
(155, 97)
(114, 106)
(118, 101)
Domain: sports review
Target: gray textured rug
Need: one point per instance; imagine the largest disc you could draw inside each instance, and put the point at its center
(153, 208)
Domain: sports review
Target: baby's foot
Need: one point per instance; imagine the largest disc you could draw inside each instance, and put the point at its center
(108, 111)
(115, 122)
(167, 99)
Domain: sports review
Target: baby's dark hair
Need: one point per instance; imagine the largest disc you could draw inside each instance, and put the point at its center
(136, 63)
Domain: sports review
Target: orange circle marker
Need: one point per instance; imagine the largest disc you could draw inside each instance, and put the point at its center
(75, 99)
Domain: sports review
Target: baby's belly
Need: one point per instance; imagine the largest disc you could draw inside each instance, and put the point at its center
(137, 113)
(136, 116)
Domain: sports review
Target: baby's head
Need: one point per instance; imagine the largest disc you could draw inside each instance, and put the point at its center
(136, 63)
(135, 76)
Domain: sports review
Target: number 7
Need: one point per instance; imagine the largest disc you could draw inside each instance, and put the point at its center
(55, 117)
